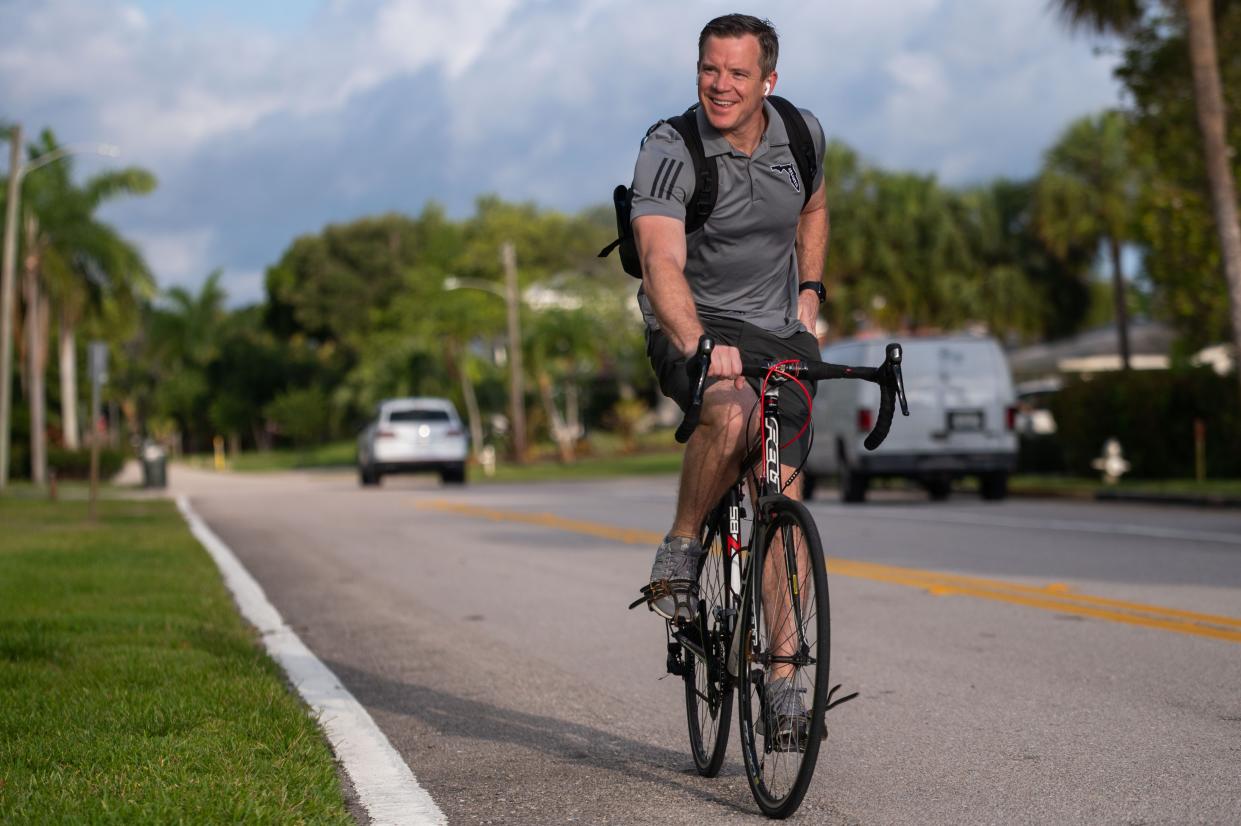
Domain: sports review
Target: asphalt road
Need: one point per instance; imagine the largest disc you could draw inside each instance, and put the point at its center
(1021, 662)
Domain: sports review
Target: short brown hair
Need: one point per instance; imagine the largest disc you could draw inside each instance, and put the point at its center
(739, 25)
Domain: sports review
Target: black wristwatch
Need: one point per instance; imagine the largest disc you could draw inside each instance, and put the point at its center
(817, 286)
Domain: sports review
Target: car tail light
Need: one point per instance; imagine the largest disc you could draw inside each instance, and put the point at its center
(865, 420)
(384, 434)
(455, 431)
(1010, 417)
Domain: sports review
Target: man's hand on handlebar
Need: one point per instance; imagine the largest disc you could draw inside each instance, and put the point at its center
(723, 361)
(726, 364)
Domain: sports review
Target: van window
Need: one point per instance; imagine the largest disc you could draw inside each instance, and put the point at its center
(929, 363)
(408, 415)
(843, 354)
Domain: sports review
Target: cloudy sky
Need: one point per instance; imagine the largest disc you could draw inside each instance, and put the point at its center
(267, 119)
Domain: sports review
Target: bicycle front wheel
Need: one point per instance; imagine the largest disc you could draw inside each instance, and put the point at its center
(708, 689)
(783, 667)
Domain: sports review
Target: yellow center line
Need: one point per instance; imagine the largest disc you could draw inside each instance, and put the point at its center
(1056, 596)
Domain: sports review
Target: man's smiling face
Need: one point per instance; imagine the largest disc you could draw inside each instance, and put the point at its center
(730, 82)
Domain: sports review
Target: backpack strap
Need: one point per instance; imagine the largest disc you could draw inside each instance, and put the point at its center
(702, 200)
(800, 141)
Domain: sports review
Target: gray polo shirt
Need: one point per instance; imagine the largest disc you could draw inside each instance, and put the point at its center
(742, 263)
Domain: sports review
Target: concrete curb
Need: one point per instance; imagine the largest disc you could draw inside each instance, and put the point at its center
(386, 787)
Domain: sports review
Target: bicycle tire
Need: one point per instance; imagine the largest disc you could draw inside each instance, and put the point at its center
(779, 771)
(708, 689)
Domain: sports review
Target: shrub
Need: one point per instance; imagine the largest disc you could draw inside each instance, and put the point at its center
(75, 464)
(302, 415)
(1152, 414)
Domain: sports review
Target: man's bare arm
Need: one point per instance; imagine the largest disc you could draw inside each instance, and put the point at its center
(813, 230)
(661, 248)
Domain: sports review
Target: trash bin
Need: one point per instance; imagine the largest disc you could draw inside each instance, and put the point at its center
(154, 466)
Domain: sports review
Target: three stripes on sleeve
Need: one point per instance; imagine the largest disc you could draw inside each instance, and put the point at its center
(666, 178)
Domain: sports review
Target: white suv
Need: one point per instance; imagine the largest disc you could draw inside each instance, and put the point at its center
(410, 436)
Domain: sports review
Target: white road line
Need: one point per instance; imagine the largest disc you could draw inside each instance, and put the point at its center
(1064, 525)
(386, 787)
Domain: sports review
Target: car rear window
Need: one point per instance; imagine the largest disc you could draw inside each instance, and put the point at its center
(418, 416)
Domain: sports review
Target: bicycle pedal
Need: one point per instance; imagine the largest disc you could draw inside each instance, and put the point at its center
(833, 703)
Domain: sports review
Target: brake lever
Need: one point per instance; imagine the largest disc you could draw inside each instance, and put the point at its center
(894, 355)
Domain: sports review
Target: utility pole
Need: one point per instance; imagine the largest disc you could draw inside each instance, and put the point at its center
(8, 300)
(516, 386)
(37, 311)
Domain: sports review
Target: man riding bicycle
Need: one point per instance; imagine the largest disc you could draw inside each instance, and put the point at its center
(750, 278)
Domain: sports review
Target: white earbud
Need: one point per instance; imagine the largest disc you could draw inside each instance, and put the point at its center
(766, 89)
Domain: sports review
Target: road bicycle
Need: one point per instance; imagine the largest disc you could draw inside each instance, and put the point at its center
(763, 604)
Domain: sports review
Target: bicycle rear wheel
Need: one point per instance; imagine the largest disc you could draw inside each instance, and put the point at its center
(708, 689)
(786, 628)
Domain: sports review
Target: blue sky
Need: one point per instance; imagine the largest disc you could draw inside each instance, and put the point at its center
(265, 120)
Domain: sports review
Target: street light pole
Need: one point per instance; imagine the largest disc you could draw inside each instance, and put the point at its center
(516, 388)
(7, 298)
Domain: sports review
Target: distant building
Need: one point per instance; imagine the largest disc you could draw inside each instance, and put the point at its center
(1042, 368)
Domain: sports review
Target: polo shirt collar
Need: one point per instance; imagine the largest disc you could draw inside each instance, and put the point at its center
(713, 143)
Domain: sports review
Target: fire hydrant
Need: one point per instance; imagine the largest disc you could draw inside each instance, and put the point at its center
(1112, 463)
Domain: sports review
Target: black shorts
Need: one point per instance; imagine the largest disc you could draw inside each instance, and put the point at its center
(754, 343)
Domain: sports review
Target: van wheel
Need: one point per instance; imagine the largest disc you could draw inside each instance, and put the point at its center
(993, 486)
(454, 475)
(853, 485)
(937, 488)
(367, 476)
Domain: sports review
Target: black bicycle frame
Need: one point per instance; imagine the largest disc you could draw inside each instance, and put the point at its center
(768, 488)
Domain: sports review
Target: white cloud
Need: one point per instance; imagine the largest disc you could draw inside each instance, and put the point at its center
(177, 257)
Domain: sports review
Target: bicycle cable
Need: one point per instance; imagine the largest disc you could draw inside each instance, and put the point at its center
(806, 425)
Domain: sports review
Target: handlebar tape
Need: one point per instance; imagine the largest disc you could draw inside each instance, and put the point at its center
(887, 406)
(696, 367)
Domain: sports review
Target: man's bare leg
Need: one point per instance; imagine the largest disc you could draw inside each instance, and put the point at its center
(709, 467)
(711, 460)
(780, 619)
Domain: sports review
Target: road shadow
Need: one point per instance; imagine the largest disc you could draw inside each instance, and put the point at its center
(455, 716)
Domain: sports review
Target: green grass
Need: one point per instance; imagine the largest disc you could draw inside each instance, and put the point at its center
(130, 689)
(1088, 486)
(587, 467)
(332, 455)
(657, 453)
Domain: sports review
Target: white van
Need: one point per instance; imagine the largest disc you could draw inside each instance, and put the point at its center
(961, 415)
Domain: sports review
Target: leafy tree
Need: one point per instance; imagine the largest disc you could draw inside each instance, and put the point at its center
(907, 253)
(182, 339)
(1086, 194)
(1193, 23)
(1183, 259)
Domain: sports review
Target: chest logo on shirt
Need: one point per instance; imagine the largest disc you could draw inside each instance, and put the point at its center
(790, 171)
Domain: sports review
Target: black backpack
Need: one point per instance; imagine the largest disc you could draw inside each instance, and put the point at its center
(705, 177)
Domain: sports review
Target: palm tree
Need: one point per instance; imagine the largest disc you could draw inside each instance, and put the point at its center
(183, 336)
(79, 263)
(1086, 194)
(85, 263)
(1120, 16)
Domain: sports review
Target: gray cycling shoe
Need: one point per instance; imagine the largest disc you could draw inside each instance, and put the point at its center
(673, 592)
(784, 715)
